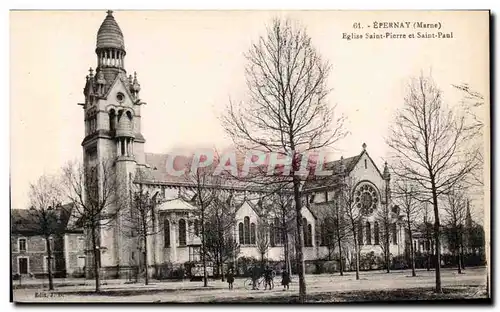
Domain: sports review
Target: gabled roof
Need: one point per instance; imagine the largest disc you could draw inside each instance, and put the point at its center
(122, 80)
(254, 207)
(314, 182)
(26, 221)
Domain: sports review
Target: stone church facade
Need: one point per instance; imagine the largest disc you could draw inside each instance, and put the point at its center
(112, 114)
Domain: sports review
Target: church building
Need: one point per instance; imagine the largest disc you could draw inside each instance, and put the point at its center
(112, 114)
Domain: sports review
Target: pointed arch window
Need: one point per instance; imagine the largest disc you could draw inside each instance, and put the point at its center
(196, 227)
(246, 230)
(368, 233)
(166, 233)
(240, 233)
(182, 232)
(309, 235)
(112, 120)
(252, 233)
(376, 233)
(272, 231)
(323, 241)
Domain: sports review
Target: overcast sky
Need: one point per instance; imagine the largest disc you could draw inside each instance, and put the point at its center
(190, 63)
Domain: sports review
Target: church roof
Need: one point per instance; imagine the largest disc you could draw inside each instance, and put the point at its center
(157, 173)
(314, 182)
(110, 35)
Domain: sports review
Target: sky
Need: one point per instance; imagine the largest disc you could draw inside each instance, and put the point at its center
(190, 63)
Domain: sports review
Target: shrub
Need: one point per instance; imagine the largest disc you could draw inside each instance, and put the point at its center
(320, 266)
(188, 265)
(399, 263)
(369, 261)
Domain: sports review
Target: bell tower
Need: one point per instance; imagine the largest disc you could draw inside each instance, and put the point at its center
(112, 115)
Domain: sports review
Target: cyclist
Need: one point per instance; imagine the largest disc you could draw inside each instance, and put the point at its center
(255, 277)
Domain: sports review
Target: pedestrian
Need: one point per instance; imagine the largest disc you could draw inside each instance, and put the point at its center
(268, 276)
(285, 280)
(230, 279)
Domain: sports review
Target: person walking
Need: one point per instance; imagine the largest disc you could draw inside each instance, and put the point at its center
(268, 276)
(230, 279)
(285, 280)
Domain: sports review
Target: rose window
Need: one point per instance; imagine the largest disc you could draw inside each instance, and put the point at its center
(366, 199)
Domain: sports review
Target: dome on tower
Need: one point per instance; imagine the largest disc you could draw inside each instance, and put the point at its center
(110, 35)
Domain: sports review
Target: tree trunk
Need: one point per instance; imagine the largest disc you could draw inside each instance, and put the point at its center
(459, 258)
(412, 251)
(356, 249)
(96, 260)
(462, 253)
(340, 253)
(387, 250)
(49, 263)
(299, 241)
(203, 249)
(285, 253)
(358, 254)
(222, 268)
(459, 262)
(146, 277)
(437, 238)
(428, 251)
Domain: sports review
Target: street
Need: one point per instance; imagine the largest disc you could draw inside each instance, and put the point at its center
(186, 291)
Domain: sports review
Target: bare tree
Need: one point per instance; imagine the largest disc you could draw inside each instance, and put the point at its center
(384, 221)
(140, 222)
(45, 197)
(431, 146)
(262, 238)
(472, 100)
(326, 225)
(222, 246)
(94, 190)
(341, 233)
(279, 204)
(287, 110)
(473, 106)
(336, 231)
(206, 189)
(455, 210)
(405, 195)
(354, 216)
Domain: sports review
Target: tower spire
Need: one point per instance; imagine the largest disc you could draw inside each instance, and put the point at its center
(110, 51)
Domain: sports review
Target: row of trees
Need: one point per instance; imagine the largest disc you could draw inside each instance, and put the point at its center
(434, 148)
(287, 113)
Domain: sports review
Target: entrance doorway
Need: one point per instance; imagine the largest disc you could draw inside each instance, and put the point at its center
(23, 265)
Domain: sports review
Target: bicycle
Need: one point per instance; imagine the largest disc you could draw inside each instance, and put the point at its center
(261, 281)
